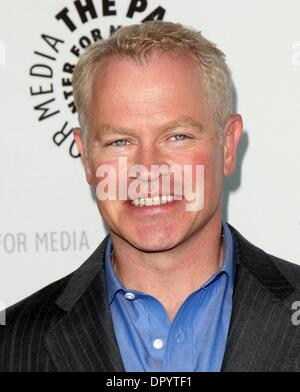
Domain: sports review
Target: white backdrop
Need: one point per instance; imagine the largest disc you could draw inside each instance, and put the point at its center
(49, 222)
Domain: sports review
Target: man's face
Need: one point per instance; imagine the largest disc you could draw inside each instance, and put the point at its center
(152, 114)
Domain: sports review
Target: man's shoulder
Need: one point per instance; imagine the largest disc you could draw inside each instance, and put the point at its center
(26, 325)
(23, 327)
(37, 307)
(264, 262)
(289, 269)
(43, 303)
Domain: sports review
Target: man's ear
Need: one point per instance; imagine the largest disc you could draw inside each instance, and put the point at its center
(232, 133)
(77, 133)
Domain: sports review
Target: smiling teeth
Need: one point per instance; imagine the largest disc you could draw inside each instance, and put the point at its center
(152, 201)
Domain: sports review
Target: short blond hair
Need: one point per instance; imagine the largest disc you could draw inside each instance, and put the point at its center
(138, 41)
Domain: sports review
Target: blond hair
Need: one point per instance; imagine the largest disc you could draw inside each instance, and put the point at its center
(138, 41)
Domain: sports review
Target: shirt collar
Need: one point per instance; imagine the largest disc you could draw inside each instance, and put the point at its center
(113, 283)
(228, 267)
(229, 257)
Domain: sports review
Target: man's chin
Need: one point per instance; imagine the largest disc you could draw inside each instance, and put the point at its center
(155, 243)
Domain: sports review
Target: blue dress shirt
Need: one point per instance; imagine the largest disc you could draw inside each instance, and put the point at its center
(195, 340)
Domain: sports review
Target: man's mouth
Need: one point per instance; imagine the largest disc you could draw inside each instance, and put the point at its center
(153, 201)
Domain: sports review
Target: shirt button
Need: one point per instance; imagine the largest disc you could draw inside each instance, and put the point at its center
(130, 296)
(158, 344)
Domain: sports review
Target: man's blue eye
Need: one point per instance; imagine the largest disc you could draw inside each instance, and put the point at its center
(180, 137)
(120, 143)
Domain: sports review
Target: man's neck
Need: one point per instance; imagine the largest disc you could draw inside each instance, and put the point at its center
(170, 276)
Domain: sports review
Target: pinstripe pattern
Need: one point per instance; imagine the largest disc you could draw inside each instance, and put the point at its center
(261, 335)
(67, 325)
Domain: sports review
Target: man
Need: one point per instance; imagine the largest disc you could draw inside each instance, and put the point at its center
(172, 287)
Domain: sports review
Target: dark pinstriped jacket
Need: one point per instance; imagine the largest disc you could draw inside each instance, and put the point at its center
(67, 326)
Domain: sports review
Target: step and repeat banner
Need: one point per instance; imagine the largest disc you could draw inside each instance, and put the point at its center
(49, 222)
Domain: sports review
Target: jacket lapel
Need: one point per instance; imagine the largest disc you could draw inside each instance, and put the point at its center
(83, 340)
(261, 335)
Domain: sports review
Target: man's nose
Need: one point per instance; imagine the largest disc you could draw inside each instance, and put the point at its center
(150, 158)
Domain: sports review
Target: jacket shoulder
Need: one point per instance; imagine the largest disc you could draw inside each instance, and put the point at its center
(265, 266)
(289, 269)
(33, 313)
(23, 326)
(27, 323)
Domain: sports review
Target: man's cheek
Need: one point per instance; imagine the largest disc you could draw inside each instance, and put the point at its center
(105, 180)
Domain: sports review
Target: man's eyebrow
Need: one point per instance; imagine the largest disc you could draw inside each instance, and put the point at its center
(184, 122)
(109, 129)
